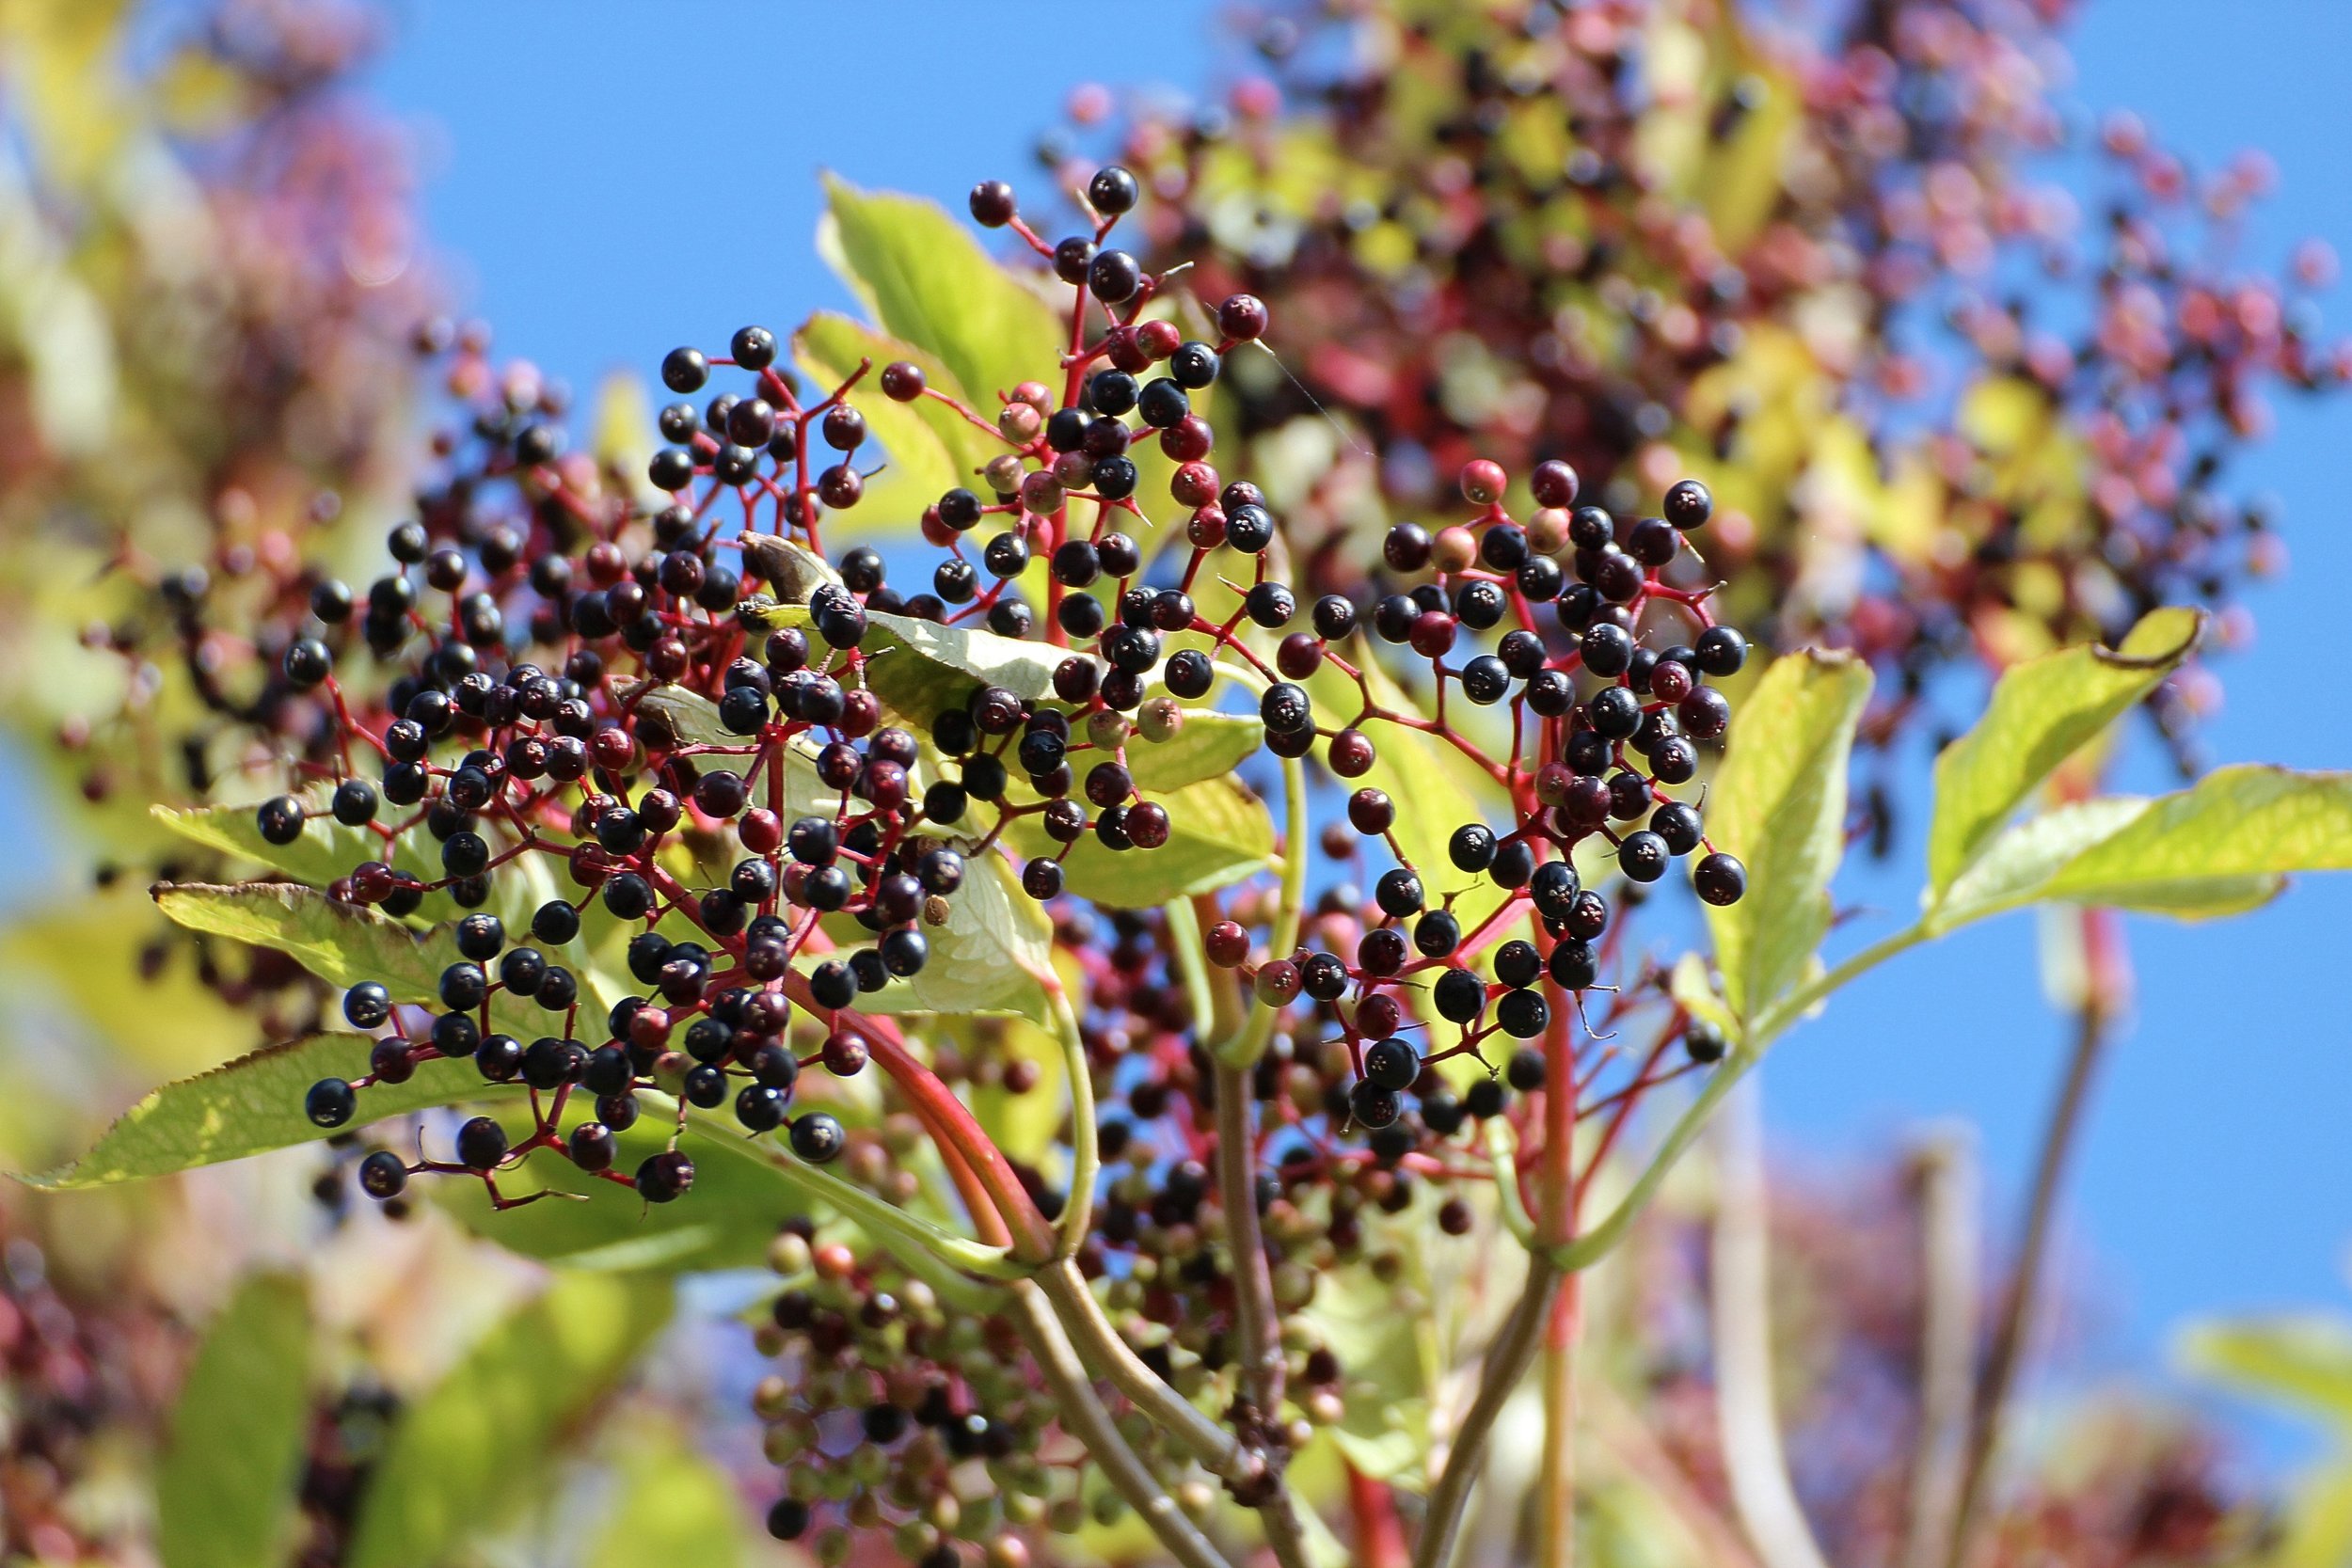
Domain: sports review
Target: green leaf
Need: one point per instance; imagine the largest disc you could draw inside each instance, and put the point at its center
(984, 958)
(1210, 745)
(928, 281)
(253, 1105)
(1435, 787)
(920, 668)
(932, 447)
(2303, 1361)
(1218, 833)
(1779, 805)
(739, 1197)
(1026, 1126)
(676, 1508)
(2040, 713)
(2235, 825)
(224, 1488)
(482, 1443)
(2021, 864)
(342, 944)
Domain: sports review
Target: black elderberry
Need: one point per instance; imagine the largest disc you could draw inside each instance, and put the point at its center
(818, 1137)
(1392, 1064)
(1459, 995)
(1473, 847)
(1688, 504)
(1370, 1106)
(1703, 1041)
(665, 1177)
(1720, 879)
(1720, 652)
(382, 1175)
(330, 1102)
(499, 1058)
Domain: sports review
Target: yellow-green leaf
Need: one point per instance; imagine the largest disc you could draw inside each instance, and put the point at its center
(928, 281)
(920, 668)
(1218, 833)
(2040, 713)
(1779, 805)
(2019, 867)
(342, 944)
(253, 1105)
(1210, 745)
(931, 449)
(225, 1489)
(1435, 787)
(2304, 1360)
(478, 1448)
(2236, 823)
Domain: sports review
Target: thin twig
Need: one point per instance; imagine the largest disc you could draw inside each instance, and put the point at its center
(1079, 1408)
(2010, 1331)
(1753, 1459)
(1946, 1168)
(1507, 1360)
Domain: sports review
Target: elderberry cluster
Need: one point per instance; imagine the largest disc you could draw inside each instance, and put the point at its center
(670, 706)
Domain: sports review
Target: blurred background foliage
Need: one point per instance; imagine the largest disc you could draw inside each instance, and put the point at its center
(210, 274)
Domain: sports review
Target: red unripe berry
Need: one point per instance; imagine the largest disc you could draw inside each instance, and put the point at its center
(1351, 755)
(1121, 347)
(832, 1261)
(1299, 655)
(1278, 982)
(1433, 633)
(1205, 529)
(1159, 339)
(1227, 943)
(1188, 440)
(935, 532)
(902, 381)
(605, 563)
(649, 1028)
(611, 748)
(1555, 483)
(761, 832)
(1483, 481)
(1379, 1016)
(1194, 484)
(1371, 811)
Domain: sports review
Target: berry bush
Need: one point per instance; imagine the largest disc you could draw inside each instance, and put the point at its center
(1178, 983)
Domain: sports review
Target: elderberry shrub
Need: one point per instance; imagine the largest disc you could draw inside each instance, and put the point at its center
(692, 795)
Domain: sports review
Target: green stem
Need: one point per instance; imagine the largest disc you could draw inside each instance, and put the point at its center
(1502, 1149)
(1109, 1356)
(1085, 1148)
(1076, 1404)
(1594, 1244)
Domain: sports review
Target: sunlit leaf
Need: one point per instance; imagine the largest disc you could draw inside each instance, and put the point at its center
(1210, 745)
(920, 668)
(2234, 824)
(984, 959)
(253, 1105)
(225, 1491)
(2040, 713)
(1219, 832)
(342, 944)
(477, 1449)
(930, 448)
(1779, 805)
(928, 281)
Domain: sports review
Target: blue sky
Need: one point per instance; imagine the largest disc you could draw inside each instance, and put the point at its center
(608, 181)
